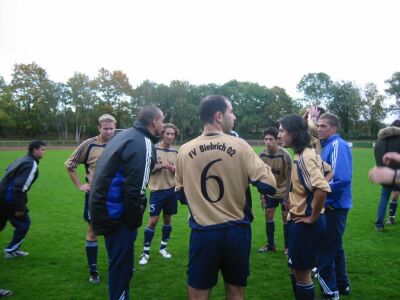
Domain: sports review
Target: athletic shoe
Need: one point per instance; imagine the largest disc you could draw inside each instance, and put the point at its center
(390, 221)
(94, 277)
(379, 229)
(14, 254)
(164, 252)
(345, 291)
(5, 293)
(144, 259)
(267, 248)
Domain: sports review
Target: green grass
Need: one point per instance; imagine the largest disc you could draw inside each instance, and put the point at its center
(56, 267)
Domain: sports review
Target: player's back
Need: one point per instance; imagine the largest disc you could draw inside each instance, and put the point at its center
(215, 170)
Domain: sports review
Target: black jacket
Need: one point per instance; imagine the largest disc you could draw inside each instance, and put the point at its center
(388, 141)
(118, 191)
(17, 181)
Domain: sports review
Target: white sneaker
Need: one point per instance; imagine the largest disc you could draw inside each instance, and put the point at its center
(164, 252)
(14, 254)
(144, 259)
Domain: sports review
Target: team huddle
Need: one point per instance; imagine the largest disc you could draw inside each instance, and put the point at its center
(211, 175)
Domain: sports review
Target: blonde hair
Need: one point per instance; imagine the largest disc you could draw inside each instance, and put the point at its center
(107, 118)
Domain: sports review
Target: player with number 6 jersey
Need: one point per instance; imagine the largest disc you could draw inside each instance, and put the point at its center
(213, 173)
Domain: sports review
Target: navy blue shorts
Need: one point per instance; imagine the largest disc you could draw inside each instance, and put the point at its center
(273, 202)
(304, 243)
(226, 249)
(86, 214)
(163, 200)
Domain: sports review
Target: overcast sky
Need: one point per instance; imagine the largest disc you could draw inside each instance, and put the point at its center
(204, 41)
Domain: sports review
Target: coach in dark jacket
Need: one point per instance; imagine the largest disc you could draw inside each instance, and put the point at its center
(118, 194)
(388, 141)
(14, 187)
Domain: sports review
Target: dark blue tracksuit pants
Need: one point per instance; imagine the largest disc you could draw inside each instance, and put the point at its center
(119, 246)
(21, 225)
(332, 274)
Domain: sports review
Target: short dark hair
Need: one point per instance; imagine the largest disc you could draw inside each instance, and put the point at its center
(298, 128)
(396, 123)
(211, 104)
(148, 113)
(172, 126)
(333, 119)
(271, 131)
(35, 145)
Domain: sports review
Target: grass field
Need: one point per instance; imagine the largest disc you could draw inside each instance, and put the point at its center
(56, 267)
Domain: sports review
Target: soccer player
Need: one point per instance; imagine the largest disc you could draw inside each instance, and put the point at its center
(87, 154)
(118, 194)
(162, 196)
(388, 141)
(332, 274)
(281, 163)
(212, 173)
(307, 196)
(14, 187)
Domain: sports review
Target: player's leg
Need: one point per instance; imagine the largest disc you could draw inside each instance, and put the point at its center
(381, 213)
(170, 208)
(284, 213)
(393, 207)
(326, 258)
(270, 207)
(120, 247)
(155, 207)
(91, 245)
(304, 285)
(205, 253)
(21, 226)
(235, 266)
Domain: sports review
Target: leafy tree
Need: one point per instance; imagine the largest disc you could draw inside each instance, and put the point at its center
(394, 90)
(316, 88)
(346, 104)
(8, 110)
(373, 109)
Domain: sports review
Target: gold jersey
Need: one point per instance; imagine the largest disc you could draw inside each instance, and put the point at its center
(214, 170)
(307, 175)
(281, 165)
(87, 153)
(162, 179)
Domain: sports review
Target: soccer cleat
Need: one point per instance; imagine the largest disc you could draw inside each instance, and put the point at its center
(379, 229)
(267, 248)
(390, 221)
(345, 291)
(144, 259)
(94, 277)
(164, 252)
(5, 293)
(14, 254)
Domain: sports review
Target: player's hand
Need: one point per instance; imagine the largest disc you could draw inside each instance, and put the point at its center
(19, 214)
(391, 157)
(382, 175)
(85, 188)
(306, 220)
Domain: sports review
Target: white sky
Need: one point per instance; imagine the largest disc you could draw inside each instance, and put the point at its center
(204, 41)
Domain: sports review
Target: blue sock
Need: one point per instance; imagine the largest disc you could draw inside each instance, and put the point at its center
(166, 233)
(286, 234)
(148, 237)
(270, 228)
(91, 253)
(392, 208)
(304, 291)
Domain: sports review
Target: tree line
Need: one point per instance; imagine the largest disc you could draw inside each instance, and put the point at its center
(32, 105)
